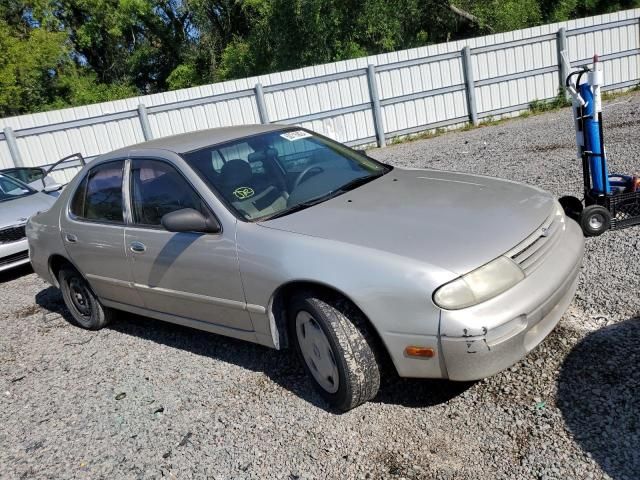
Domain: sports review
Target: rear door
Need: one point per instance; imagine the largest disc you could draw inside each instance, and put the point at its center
(92, 230)
(191, 275)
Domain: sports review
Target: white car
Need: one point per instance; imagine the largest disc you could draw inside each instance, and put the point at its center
(18, 202)
(36, 177)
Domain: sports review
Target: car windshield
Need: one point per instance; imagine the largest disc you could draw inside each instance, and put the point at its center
(10, 189)
(25, 174)
(279, 172)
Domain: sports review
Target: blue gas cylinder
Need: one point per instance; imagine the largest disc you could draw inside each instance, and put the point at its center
(592, 142)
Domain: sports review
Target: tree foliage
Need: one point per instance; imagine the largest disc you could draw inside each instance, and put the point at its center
(57, 53)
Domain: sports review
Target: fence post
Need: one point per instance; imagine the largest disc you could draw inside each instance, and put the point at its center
(144, 122)
(10, 137)
(467, 68)
(375, 105)
(561, 42)
(262, 106)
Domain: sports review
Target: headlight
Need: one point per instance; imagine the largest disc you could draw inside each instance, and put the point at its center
(482, 284)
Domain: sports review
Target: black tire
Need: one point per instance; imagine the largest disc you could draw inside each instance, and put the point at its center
(572, 207)
(82, 303)
(595, 220)
(352, 343)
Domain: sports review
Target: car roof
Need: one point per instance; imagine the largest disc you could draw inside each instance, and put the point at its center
(187, 142)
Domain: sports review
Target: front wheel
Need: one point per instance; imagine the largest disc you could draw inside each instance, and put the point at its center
(82, 303)
(595, 220)
(337, 348)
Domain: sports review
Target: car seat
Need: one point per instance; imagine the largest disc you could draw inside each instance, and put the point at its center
(262, 198)
(271, 164)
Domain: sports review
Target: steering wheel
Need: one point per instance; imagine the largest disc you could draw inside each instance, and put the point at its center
(304, 173)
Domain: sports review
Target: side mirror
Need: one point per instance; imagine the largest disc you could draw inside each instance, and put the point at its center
(52, 187)
(189, 220)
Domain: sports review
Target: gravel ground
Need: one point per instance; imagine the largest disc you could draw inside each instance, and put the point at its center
(144, 399)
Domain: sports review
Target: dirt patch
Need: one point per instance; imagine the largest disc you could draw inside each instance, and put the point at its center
(622, 124)
(551, 147)
(27, 311)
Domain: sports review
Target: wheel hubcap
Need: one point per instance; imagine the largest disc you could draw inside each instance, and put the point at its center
(596, 222)
(80, 297)
(316, 351)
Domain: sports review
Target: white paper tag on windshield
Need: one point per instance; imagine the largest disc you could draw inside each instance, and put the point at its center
(295, 135)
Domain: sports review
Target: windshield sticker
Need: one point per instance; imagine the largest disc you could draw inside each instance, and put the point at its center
(242, 193)
(295, 135)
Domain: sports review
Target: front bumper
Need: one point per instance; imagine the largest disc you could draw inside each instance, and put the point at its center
(13, 254)
(479, 341)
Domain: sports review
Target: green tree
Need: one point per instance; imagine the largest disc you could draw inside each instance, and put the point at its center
(38, 70)
(28, 68)
(502, 15)
(139, 42)
(287, 34)
(56, 53)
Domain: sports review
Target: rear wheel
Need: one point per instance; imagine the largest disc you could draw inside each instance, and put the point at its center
(337, 348)
(595, 220)
(84, 306)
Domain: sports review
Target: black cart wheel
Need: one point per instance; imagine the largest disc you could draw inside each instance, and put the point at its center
(84, 306)
(572, 207)
(595, 220)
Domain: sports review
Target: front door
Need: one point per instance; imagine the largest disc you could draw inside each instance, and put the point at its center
(93, 234)
(191, 275)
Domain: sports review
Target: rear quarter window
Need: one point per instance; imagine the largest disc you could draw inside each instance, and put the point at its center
(99, 196)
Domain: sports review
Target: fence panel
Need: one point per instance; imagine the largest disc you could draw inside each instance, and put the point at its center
(5, 156)
(235, 111)
(419, 92)
(618, 47)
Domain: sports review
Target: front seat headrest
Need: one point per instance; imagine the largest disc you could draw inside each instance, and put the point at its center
(235, 172)
(262, 155)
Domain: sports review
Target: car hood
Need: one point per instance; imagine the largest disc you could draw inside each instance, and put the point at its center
(17, 211)
(453, 220)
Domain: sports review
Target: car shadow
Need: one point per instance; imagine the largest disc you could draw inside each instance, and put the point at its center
(280, 366)
(418, 392)
(15, 273)
(171, 250)
(599, 397)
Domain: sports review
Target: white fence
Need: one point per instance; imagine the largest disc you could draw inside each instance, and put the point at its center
(360, 101)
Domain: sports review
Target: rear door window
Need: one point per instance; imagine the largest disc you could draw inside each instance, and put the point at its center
(99, 196)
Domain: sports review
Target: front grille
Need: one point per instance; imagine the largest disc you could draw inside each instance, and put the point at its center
(12, 234)
(531, 252)
(16, 257)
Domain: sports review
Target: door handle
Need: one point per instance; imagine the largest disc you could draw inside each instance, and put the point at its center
(137, 247)
(70, 237)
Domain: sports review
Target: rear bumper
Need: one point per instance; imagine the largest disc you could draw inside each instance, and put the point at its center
(480, 341)
(14, 254)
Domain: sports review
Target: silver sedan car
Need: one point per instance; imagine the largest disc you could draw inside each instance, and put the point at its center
(283, 237)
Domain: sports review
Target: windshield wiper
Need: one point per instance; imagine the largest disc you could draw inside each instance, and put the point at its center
(299, 206)
(356, 182)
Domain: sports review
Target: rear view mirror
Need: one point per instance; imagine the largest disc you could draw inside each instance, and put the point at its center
(189, 220)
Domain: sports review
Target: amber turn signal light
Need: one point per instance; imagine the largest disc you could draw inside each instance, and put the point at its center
(424, 352)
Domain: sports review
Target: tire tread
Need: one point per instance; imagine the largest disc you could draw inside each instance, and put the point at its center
(101, 315)
(358, 344)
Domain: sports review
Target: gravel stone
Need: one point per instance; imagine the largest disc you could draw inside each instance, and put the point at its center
(143, 399)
